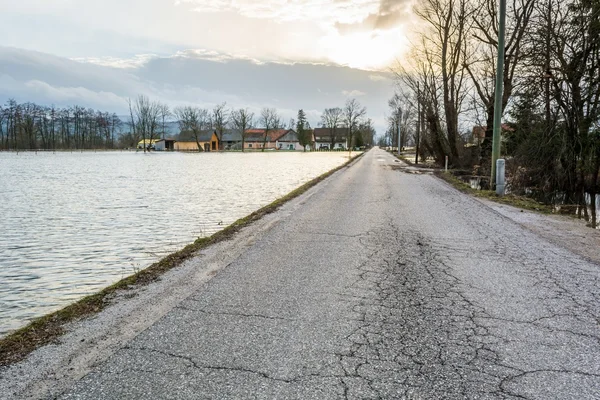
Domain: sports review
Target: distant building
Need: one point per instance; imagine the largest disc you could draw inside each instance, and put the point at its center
(231, 140)
(290, 141)
(255, 138)
(165, 145)
(323, 137)
(207, 140)
(147, 143)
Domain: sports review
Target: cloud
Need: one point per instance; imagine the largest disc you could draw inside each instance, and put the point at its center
(191, 77)
(345, 11)
(115, 62)
(353, 93)
(74, 95)
(378, 78)
(390, 14)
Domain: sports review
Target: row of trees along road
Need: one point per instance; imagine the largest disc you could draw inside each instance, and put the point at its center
(29, 126)
(550, 99)
(352, 119)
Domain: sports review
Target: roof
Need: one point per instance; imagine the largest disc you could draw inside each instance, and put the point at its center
(205, 136)
(166, 140)
(148, 141)
(289, 136)
(258, 135)
(326, 133)
(230, 135)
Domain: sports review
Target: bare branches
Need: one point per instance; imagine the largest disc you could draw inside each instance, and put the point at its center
(192, 120)
(270, 120)
(332, 119)
(352, 117)
(220, 118)
(242, 120)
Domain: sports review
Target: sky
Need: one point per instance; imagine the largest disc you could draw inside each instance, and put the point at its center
(287, 54)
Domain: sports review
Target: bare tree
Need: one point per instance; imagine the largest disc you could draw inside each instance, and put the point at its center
(220, 118)
(165, 113)
(144, 115)
(242, 120)
(481, 66)
(444, 43)
(332, 119)
(192, 120)
(353, 115)
(270, 120)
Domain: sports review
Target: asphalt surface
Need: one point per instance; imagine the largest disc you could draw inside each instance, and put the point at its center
(382, 284)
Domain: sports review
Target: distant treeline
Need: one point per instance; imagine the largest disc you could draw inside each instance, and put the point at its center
(29, 126)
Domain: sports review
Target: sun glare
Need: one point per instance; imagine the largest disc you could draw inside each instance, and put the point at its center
(366, 50)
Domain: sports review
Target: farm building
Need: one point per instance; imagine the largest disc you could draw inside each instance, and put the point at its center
(207, 140)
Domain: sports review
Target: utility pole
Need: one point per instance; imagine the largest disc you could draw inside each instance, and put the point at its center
(418, 123)
(499, 90)
(399, 120)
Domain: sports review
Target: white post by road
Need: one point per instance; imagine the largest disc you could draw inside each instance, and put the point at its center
(446, 163)
(500, 173)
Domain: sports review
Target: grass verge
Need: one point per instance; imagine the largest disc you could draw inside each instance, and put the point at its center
(19, 344)
(509, 199)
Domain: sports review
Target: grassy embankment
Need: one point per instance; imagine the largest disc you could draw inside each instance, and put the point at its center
(17, 345)
(523, 202)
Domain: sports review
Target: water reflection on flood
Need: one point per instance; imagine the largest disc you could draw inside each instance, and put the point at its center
(74, 223)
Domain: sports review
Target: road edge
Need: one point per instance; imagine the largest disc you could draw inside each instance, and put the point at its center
(16, 346)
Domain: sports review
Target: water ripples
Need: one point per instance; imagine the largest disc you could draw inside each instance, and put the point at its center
(74, 223)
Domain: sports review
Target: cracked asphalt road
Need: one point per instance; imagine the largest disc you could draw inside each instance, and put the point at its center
(383, 284)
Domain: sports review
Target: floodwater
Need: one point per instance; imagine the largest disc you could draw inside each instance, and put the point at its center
(74, 223)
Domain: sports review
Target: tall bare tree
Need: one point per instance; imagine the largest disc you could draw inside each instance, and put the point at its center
(270, 120)
(220, 118)
(192, 120)
(332, 119)
(448, 25)
(144, 115)
(242, 120)
(352, 117)
(165, 112)
(481, 65)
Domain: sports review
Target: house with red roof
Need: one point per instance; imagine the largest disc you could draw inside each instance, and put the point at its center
(255, 139)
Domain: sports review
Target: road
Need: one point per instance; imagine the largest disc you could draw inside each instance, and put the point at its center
(377, 284)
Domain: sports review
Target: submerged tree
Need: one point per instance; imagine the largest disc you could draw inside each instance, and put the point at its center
(242, 120)
(192, 120)
(270, 120)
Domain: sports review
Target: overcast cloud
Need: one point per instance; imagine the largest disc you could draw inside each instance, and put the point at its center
(191, 78)
(293, 54)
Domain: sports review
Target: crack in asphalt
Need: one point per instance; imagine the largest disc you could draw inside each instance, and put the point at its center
(234, 314)
(414, 313)
(417, 317)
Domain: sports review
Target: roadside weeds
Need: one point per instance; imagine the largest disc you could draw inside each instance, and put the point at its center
(522, 202)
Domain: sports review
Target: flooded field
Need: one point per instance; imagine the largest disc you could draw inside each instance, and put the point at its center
(74, 223)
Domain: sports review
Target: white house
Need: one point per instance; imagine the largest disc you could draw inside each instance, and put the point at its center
(323, 138)
(288, 141)
(165, 145)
